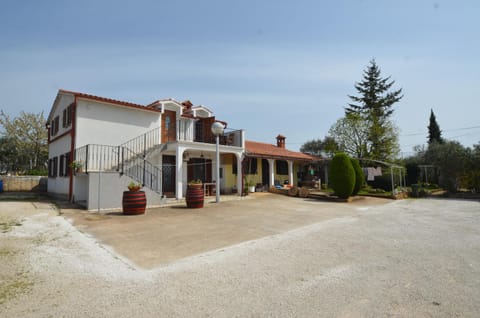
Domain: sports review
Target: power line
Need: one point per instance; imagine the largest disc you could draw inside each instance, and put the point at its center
(446, 130)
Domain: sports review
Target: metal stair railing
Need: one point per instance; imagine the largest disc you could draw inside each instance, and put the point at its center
(128, 158)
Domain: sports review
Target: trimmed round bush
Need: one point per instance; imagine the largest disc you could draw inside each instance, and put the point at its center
(342, 175)
(359, 176)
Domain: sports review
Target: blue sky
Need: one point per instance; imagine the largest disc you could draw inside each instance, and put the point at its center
(268, 67)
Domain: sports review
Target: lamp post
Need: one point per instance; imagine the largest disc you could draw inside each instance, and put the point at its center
(217, 130)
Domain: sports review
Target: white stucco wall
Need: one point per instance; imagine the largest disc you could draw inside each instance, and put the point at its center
(57, 148)
(59, 145)
(105, 191)
(62, 102)
(106, 124)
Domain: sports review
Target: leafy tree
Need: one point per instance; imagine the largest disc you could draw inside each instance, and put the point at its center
(375, 105)
(313, 147)
(330, 146)
(8, 155)
(342, 175)
(451, 159)
(434, 132)
(318, 147)
(27, 140)
(471, 178)
(351, 135)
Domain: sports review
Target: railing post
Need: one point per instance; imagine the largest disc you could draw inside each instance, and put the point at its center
(144, 157)
(86, 159)
(144, 145)
(118, 158)
(123, 158)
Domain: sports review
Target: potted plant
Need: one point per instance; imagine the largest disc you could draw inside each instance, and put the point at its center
(195, 195)
(251, 186)
(76, 166)
(134, 201)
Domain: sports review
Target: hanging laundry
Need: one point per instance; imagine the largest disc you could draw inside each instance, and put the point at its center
(371, 173)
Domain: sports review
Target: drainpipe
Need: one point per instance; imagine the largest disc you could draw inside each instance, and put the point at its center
(72, 147)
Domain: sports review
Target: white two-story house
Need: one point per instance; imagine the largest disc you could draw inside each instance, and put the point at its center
(162, 145)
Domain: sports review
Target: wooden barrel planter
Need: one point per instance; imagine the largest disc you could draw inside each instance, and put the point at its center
(194, 196)
(134, 202)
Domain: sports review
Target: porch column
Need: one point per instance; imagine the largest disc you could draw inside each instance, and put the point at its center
(239, 174)
(290, 172)
(179, 173)
(271, 171)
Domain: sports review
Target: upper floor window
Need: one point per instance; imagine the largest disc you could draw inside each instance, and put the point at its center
(67, 116)
(54, 126)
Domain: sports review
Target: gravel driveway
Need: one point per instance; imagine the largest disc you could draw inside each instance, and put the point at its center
(409, 258)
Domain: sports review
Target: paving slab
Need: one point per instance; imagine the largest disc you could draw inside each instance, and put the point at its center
(164, 235)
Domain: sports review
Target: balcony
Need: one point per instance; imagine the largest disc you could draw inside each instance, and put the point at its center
(200, 132)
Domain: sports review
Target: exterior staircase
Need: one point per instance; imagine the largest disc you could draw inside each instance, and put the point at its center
(129, 159)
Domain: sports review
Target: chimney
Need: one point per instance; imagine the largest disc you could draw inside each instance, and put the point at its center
(281, 141)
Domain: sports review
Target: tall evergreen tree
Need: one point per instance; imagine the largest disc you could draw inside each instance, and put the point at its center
(375, 105)
(434, 132)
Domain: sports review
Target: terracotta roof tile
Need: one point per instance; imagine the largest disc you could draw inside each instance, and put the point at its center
(260, 149)
(108, 100)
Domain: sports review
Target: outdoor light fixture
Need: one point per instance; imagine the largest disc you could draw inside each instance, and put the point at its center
(217, 130)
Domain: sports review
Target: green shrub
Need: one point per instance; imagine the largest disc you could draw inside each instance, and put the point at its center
(342, 175)
(359, 177)
(36, 172)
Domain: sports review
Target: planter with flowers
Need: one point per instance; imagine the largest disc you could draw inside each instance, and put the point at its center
(134, 201)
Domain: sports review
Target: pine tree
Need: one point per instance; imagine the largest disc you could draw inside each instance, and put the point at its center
(434, 132)
(375, 105)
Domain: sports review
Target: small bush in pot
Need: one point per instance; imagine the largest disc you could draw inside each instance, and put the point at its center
(134, 186)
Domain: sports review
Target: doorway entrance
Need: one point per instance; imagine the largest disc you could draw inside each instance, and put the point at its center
(265, 173)
(168, 176)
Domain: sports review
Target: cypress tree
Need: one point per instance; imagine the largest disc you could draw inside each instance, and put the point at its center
(434, 132)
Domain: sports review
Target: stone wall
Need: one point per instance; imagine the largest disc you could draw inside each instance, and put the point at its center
(24, 183)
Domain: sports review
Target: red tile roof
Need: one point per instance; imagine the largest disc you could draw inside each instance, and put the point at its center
(108, 100)
(260, 149)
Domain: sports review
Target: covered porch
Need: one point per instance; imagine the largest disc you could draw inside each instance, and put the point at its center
(182, 162)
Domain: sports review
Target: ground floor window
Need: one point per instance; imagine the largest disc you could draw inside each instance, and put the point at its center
(53, 167)
(282, 167)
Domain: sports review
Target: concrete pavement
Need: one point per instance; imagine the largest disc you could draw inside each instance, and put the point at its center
(167, 234)
(407, 258)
